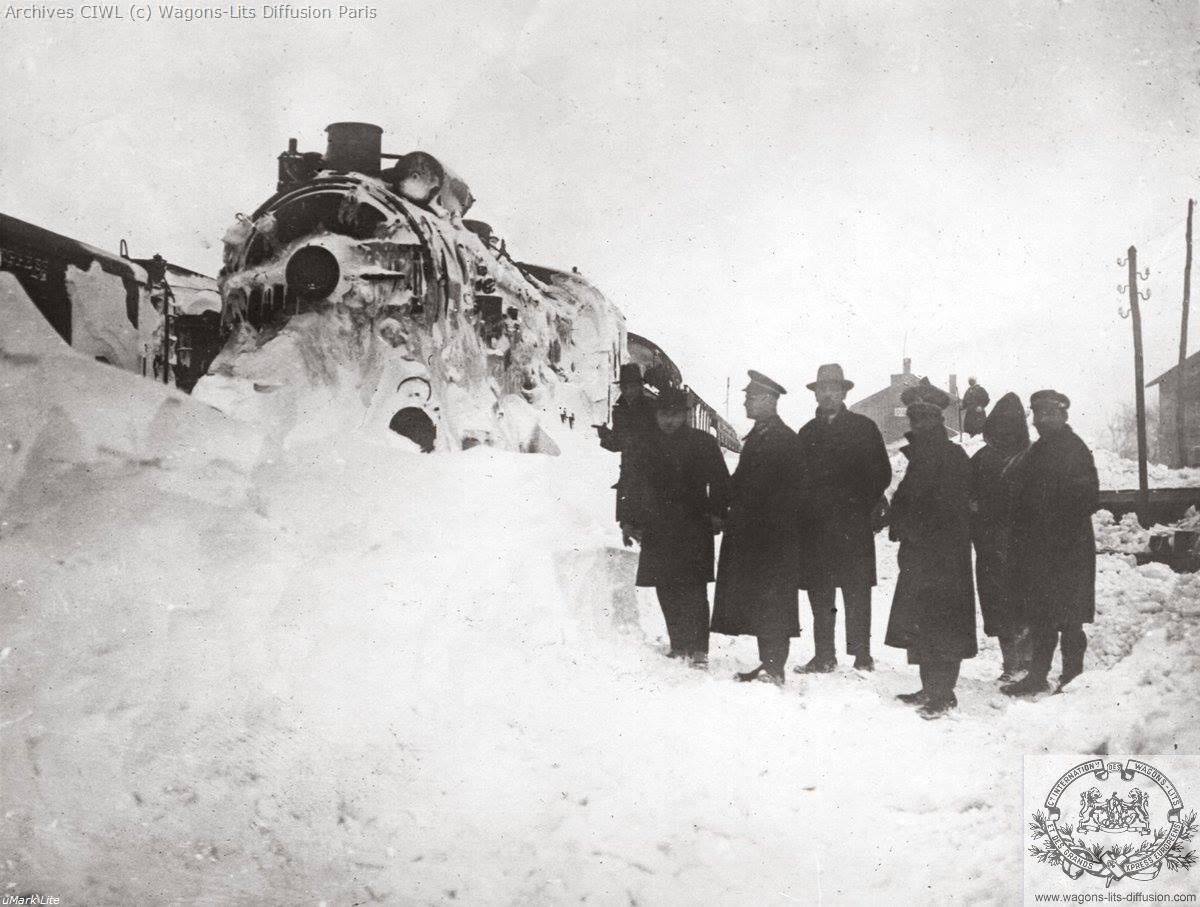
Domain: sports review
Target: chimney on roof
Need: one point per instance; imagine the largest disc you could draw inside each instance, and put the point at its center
(907, 366)
(953, 386)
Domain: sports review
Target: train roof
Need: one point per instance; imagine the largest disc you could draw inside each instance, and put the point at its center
(17, 232)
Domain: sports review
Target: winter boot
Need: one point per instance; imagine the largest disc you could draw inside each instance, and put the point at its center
(917, 698)
(817, 666)
(748, 676)
(767, 675)
(1030, 686)
(936, 708)
(864, 663)
(1008, 659)
(698, 660)
(1067, 676)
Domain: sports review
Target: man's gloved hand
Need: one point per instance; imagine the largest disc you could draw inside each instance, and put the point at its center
(607, 439)
(630, 534)
(881, 515)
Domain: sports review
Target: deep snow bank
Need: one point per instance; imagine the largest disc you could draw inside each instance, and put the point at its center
(360, 674)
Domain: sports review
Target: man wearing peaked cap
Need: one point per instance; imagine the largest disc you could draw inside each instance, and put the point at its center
(762, 384)
(925, 394)
(933, 609)
(1049, 399)
(847, 470)
(757, 575)
(1055, 493)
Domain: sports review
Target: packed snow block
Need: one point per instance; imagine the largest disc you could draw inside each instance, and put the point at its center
(24, 331)
(521, 426)
(100, 326)
(63, 411)
(598, 585)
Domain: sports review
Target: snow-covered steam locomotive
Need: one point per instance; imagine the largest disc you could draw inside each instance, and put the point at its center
(359, 294)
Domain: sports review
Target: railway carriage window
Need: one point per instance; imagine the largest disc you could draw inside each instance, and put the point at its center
(277, 300)
(255, 306)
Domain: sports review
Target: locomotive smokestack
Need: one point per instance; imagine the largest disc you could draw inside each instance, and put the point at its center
(354, 146)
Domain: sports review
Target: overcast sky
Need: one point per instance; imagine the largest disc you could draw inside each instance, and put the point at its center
(756, 184)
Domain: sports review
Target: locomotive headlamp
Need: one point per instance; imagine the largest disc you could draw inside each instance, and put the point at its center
(312, 272)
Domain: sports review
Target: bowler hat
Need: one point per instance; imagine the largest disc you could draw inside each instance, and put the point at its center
(631, 373)
(672, 400)
(761, 383)
(830, 373)
(1049, 399)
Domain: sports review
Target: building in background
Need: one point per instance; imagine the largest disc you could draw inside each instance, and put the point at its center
(1168, 401)
(886, 411)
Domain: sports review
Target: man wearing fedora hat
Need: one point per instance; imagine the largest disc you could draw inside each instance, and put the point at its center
(757, 575)
(1053, 545)
(847, 471)
(633, 426)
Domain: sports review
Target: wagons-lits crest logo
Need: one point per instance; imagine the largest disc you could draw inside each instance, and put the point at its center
(1114, 815)
(1137, 791)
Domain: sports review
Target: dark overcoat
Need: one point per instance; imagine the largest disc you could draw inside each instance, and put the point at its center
(933, 611)
(1055, 490)
(974, 402)
(633, 428)
(758, 575)
(688, 485)
(847, 471)
(991, 530)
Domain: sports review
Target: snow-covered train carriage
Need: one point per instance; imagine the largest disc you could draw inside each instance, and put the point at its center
(145, 315)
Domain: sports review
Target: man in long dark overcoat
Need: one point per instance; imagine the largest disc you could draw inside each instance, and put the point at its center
(688, 484)
(1055, 490)
(757, 575)
(633, 427)
(974, 408)
(1007, 438)
(933, 611)
(848, 471)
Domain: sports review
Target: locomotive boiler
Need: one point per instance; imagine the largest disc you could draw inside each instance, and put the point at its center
(360, 295)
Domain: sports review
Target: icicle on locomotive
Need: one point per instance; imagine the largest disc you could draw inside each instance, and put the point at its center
(358, 296)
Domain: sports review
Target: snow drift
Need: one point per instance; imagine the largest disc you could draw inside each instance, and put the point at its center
(348, 673)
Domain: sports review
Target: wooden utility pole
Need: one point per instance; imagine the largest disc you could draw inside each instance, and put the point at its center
(1181, 445)
(1140, 384)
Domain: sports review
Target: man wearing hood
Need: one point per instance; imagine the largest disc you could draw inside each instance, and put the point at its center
(933, 611)
(1007, 438)
(1055, 491)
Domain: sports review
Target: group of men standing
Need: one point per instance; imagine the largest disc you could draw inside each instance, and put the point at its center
(802, 508)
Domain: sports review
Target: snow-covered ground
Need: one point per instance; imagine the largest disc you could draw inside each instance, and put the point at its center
(347, 673)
